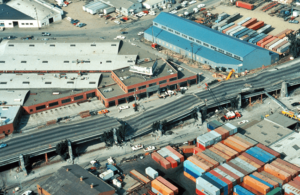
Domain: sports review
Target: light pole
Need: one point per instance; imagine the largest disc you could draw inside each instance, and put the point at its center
(192, 45)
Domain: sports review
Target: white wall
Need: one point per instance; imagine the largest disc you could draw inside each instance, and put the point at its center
(21, 23)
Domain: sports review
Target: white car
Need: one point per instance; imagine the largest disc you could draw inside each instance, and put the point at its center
(201, 5)
(173, 12)
(149, 148)
(123, 107)
(140, 33)
(28, 192)
(183, 88)
(192, 2)
(243, 121)
(117, 22)
(152, 13)
(110, 160)
(137, 147)
(120, 37)
(185, 2)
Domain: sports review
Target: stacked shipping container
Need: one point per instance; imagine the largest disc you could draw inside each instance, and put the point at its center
(167, 157)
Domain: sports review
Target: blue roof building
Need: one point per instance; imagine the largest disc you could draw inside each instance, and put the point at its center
(205, 45)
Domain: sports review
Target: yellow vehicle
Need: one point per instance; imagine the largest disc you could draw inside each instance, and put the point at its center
(290, 114)
(230, 73)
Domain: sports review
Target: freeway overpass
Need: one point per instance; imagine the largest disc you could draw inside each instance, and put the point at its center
(43, 141)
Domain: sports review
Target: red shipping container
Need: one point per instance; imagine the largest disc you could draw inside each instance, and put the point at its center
(160, 160)
(196, 150)
(208, 159)
(251, 189)
(292, 183)
(253, 159)
(263, 40)
(269, 150)
(295, 182)
(228, 182)
(180, 156)
(222, 133)
(172, 161)
(256, 25)
(250, 22)
(266, 179)
(284, 168)
(187, 149)
(244, 5)
(296, 168)
(236, 177)
(168, 184)
(268, 41)
(297, 179)
(198, 192)
(277, 173)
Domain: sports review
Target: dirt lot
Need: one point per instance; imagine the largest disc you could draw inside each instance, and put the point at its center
(277, 23)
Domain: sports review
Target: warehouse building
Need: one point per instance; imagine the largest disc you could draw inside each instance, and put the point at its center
(153, 4)
(125, 7)
(28, 14)
(207, 46)
(75, 180)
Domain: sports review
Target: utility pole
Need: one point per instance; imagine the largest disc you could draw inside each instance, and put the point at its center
(192, 45)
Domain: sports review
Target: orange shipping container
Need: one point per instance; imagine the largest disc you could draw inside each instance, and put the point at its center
(208, 159)
(249, 22)
(227, 29)
(199, 163)
(228, 158)
(176, 153)
(277, 173)
(268, 41)
(222, 133)
(251, 189)
(227, 150)
(266, 179)
(204, 161)
(260, 187)
(196, 150)
(284, 168)
(187, 149)
(168, 184)
(140, 176)
(189, 176)
(284, 35)
(233, 139)
(244, 141)
(234, 146)
(296, 168)
(259, 168)
(256, 25)
(161, 188)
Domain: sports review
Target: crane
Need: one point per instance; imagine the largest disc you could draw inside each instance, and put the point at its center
(230, 73)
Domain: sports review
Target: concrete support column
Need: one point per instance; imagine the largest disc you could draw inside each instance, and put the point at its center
(168, 87)
(188, 83)
(261, 98)
(147, 94)
(178, 86)
(116, 102)
(199, 116)
(250, 101)
(284, 90)
(138, 97)
(70, 151)
(46, 157)
(22, 162)
(106, 104)
(239, 105)
(127, 100)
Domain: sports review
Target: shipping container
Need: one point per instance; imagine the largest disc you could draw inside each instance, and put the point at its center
(227, 29)
(257, 166)
(241, 191)
(218, 136)
(245, 165)
(204, 186)
(276, 179)
(162, 153)
(160, 160)
(244, 5)
(221, 154)
(268, 41)
(297, 180)
(259, 38)
(280, 45)
(189, 176)
(264, 40)
(198, 163)
(250, 35)
(277, 173)
(221, 129)
(272, 157)
(212, 125)
(257, 25)
(251, 189)
(250, 22)
(266, 179)
(227, 33)
(242, 166)
(284, 48)
(244, 33)
(233, 139)
(214, 156)
(265, 29)
(285, 34)
(233, 17)
(248, 140)
(140, 176)
(222, 133)
(169, 153)
(284, 168)
(235, 171)
(236, 30)
(292, 183)
(151, 172)
(276, 44)
(290, 190)
(258, 155)
(244, 172)
(208, 164)
(271, 43)
(112, 167)
(196, 150)
(262, 181)
(240, 32)
(221, 24)
(187, 149)
(233, 146)
(231, 174)
(190, 172)
(224, 179)
(173, 162)
(260, 187)
(214, 183)
(106, 175)
(204, 141)
(293, 166)
(161, 188)
(223, 185)
(212, 136)
(227, 176)
(168, 184)
(232, 127)
(208, 159)
(253, 159)
(245, 20)
(226, 26)
(269, 150)
(253, 38)
(282, 32)
(276, 191)
(226, 150)
(180, 156)
(193, 168)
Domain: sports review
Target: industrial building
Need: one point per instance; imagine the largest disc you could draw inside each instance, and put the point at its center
(75, 180)
(28, 14)
(125, 7)
(153, 4)
(207, 46)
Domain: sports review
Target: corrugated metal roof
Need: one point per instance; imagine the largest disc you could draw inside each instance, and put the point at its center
(9, 13)
(201, 32)
(197, 49)
(13, 97)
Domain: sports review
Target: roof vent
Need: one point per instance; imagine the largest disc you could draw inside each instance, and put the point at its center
(67, 169)
(92, 185)
(81, 178)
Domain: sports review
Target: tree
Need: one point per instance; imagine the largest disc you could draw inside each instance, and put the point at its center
(295, 44)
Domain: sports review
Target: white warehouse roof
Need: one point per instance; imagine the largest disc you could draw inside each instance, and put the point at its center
(8, 114)
(55, 80)
(13, 97)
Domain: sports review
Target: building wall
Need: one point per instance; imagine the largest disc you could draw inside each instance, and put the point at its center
(7, 129)
(150, 5)
(56, 17)
(57, 102)
(258, 58)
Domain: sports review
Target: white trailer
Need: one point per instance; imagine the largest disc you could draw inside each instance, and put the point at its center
(109, 10)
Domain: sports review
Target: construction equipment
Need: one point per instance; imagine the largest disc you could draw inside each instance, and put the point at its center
(230, 73)
(291, 114)
(232, 115)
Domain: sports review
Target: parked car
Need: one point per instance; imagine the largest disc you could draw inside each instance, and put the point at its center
(149, 148)
(201, 5)
(3, 145)
(123, 107)
(124, 33)
(295, 104)
(80, 25)
(294, 21)
(28, 192)
(140, 33)
(178, 7)
(45, 34)
(120, 37)
(117, 22)
(160, 8)
(137, 147)
(27, 38)
(173, 12)
(10, 37)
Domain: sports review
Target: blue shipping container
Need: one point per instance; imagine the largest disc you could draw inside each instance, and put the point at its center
(257, 155)
(112, 167)
(262, 181)
(241, 191)
(214, 183)
(190, 172)
(225, 186)
(240, 32)
(265, 152)
(194, 168)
